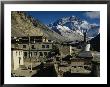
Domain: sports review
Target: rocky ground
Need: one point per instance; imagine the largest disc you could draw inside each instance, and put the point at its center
(25, 71)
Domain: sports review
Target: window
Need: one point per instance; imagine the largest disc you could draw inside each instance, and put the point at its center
(24, 46)
(43, 46)
(19, 52)
(40, 53)
(33, 47)
(74, 66)
(19, 59)
(47, 46)
(25, 53)
(16, 53)
(35, 53)
(45, 53)
(49, 40)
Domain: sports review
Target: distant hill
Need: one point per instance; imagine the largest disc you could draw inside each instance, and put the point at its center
(22, 25)
(95, 43)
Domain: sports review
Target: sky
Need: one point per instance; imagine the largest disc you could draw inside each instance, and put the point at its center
(48, 17)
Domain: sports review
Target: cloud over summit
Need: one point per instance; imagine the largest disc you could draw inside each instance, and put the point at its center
(93, 15)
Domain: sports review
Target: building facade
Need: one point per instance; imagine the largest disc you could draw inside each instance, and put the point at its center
(16, 58)
(34, 47)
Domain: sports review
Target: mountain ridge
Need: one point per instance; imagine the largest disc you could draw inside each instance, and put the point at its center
(74, 26)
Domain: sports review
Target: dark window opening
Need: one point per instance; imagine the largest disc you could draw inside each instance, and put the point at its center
(49, 40)
(24, 46)
(33, 47)
(19, 52)
(40, 53)
(45, 53)
(47, 46)
(19, 59)
(74, 66)
(43, 46)
(25, 53)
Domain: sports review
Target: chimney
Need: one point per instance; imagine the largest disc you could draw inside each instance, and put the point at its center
(84, 36)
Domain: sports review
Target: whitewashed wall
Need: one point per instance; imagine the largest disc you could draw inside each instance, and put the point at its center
(16, 54)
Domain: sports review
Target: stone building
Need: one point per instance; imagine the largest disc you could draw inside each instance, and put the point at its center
(96, 64)
(83, 63)
(65, 50)
(85, 57)
(80, 64)
(36, 46)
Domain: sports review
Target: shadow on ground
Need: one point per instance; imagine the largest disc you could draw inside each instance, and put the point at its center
(45, 72)
(68, 74)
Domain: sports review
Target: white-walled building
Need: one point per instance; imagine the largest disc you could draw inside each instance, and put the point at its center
(16, 58)
(87, 47)
(39, 46)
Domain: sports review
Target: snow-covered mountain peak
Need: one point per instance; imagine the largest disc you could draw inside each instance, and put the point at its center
(63, 28)
(70, 26)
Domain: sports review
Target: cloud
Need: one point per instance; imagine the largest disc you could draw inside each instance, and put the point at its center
(95, 24)
(93, 15)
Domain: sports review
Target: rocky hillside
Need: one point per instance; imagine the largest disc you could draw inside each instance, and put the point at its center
(95, 43)
(22, 25)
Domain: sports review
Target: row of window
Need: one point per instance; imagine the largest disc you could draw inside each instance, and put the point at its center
(33, 47)
(45, 46)
(18, 53)
(35, 54)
